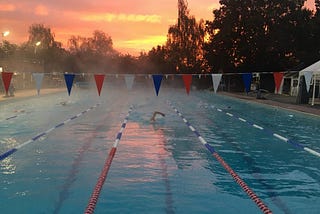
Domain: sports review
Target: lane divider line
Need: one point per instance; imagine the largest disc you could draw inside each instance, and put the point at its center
(287, 140)
(13, 150)
(104, 173)
(264, 208)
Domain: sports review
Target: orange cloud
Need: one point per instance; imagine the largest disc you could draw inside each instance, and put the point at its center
(7, 7)
(41, 10)
(122, 17)
(144, 43)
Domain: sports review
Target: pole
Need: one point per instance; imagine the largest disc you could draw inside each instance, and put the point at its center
(314, 89)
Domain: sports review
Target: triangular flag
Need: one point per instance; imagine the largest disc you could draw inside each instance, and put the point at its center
(216, 78)
(157, 82)
(307, 78)
(69, 81)
(187, 79)
(38, 78)
(278, 76)
(247, 77)
(6, 79)
(129, 79)
(99, 78)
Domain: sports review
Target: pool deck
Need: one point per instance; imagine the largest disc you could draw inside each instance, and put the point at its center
(30, 93)
(278, 100)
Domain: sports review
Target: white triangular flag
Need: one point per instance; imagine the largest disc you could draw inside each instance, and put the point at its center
(216, 78)
(129, 78)
(38, 78)
(307, 78)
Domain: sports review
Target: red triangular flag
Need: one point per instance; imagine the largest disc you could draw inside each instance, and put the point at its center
(99, 78)
(278, 76)
(6, 78)
(187, 79)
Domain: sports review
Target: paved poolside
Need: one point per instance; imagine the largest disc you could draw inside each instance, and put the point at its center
(282, 101)
(30, 92)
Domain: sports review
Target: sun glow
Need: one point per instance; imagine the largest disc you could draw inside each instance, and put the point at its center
(112, 17)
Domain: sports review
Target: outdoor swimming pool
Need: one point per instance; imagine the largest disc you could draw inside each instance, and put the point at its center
(160, 167)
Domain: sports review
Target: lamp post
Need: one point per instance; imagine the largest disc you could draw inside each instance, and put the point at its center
(35, 48)
(4, 34)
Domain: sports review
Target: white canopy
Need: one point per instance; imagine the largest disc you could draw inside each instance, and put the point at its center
(314, 68)
(312, 74)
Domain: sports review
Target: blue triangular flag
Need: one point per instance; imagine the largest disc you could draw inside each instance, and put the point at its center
(157, 82)
(69, 81)
(247, 77)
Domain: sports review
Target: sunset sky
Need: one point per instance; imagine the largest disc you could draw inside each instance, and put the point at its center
(134, 26)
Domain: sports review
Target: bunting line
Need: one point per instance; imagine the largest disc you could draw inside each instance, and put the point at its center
(35, 138)
(264, 208)
(95, 195)
(130, 78)
(270, 132)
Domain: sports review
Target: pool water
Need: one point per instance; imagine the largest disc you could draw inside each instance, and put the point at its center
(159, 167)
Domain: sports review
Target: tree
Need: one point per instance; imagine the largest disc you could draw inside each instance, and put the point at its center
(257, 35)
(42, 34)
(185, 42)
(99, 44)
(42, 48)
(158, 61)
(94, 53)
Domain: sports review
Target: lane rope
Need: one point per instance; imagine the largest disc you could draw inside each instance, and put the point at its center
(253, 166)
(269, 131)
(35, 138)
(264, 208)
(101, 180)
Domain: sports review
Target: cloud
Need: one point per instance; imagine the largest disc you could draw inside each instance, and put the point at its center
(41, 10)
(121, 17)
(142, 44)
(148, 40)
(133, 25)
(7, 7)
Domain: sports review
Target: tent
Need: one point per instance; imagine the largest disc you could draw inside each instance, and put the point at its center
(312, 75)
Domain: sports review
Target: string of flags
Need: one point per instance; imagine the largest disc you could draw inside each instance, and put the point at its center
(157, 79)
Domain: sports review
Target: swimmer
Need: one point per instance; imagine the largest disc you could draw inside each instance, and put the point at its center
(153, 118)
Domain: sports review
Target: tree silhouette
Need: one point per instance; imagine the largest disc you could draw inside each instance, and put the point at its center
(258, 35)
(185, 42)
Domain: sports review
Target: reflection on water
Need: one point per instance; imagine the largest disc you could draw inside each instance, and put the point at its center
(7, 167)
(145, 145)
(144, 151)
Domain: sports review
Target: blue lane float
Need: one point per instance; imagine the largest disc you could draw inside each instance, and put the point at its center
(102, 178)
(35, 138)
(262, 206)
(269, 131)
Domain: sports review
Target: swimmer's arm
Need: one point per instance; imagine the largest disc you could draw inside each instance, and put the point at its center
(157, 112)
